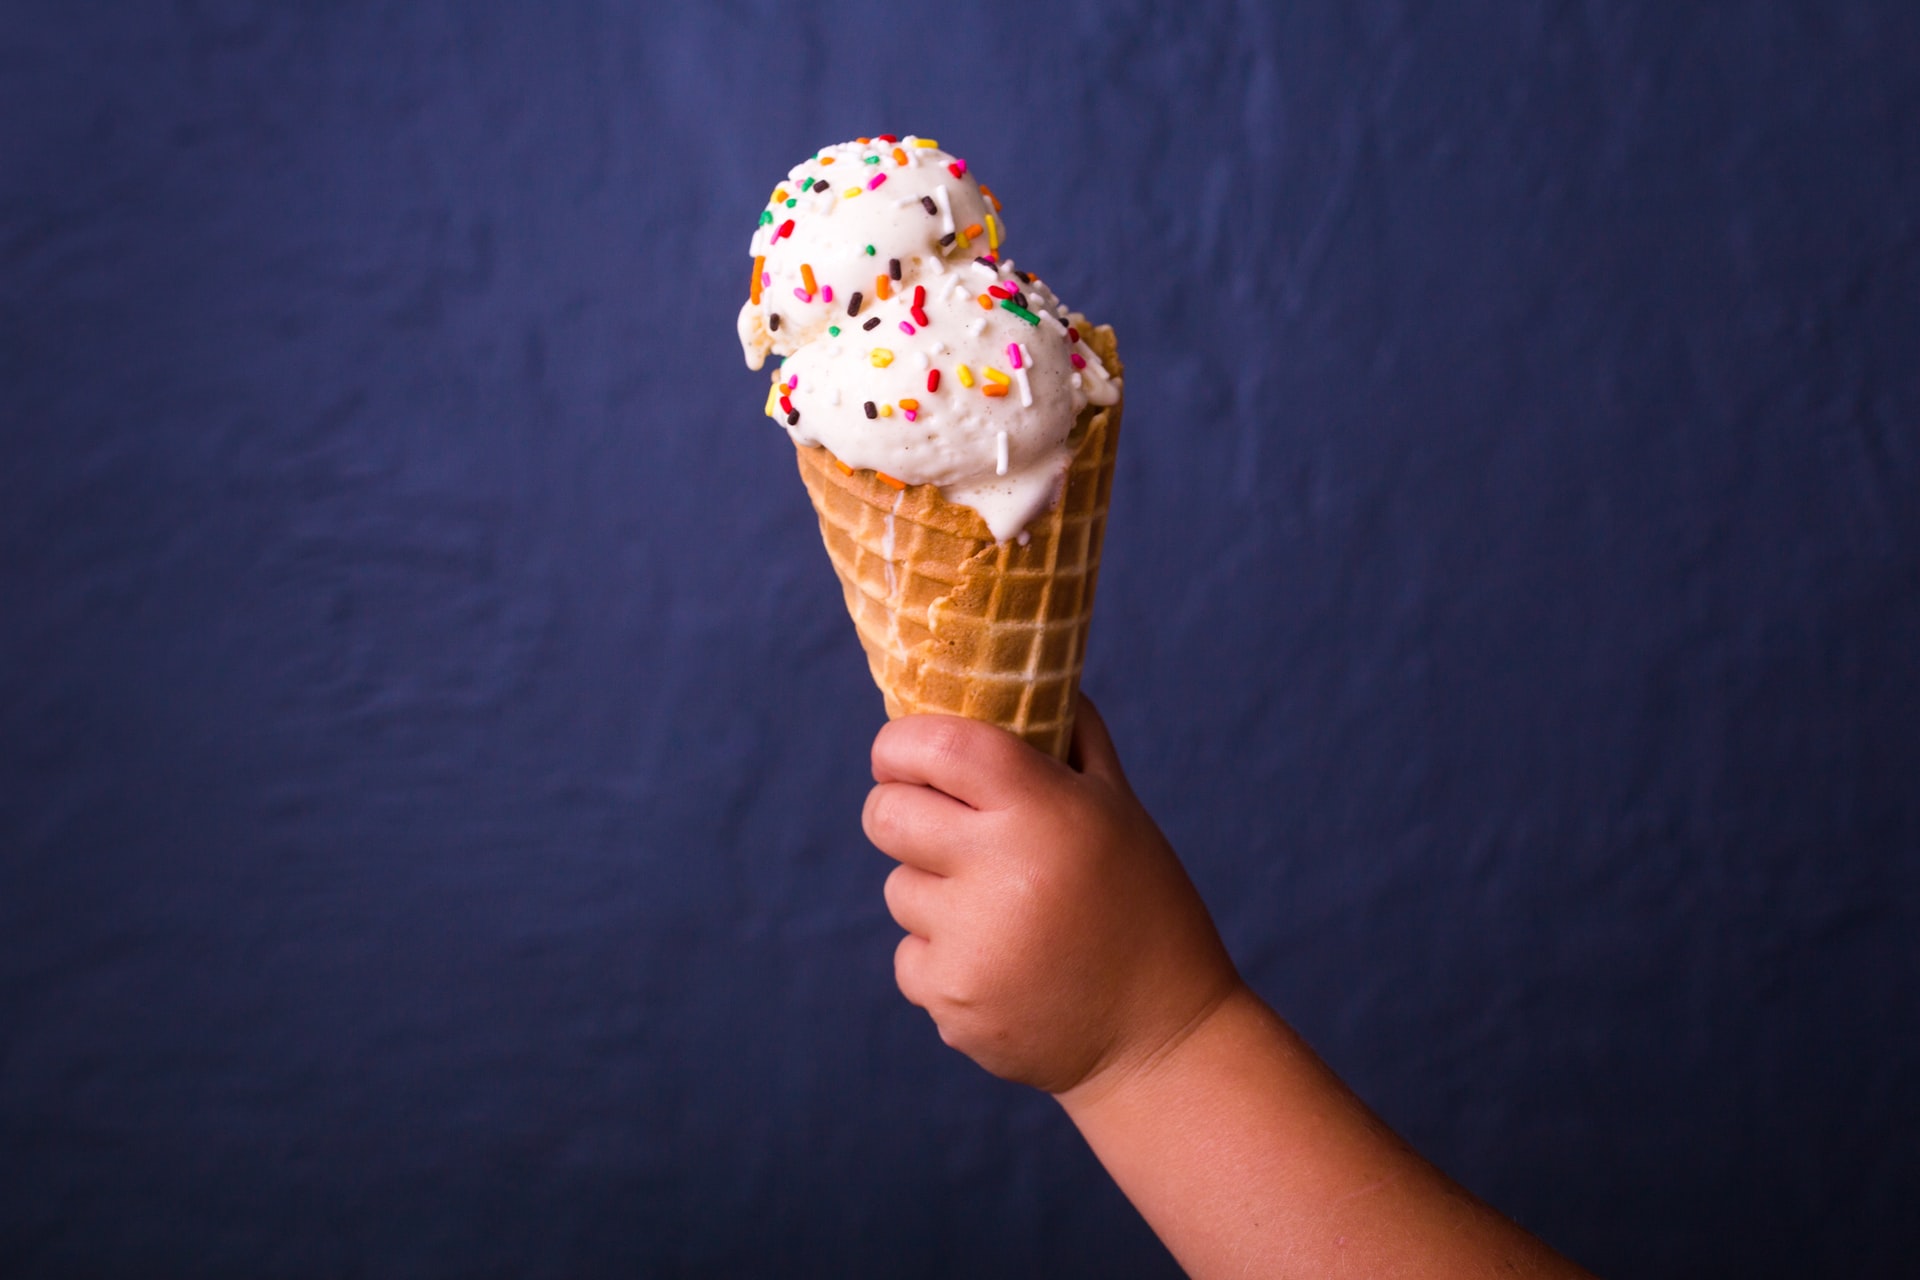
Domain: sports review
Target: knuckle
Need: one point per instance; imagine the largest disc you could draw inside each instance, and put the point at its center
(880, 817)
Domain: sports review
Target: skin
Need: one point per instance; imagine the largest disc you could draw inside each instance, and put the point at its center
(1054, 938)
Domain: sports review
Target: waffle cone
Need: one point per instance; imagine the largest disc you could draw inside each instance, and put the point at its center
(954, 622)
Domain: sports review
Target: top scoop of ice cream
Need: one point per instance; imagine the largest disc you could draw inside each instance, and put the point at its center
(853, 213)
(912, 347)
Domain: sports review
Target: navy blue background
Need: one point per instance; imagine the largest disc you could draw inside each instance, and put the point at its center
(431, 744)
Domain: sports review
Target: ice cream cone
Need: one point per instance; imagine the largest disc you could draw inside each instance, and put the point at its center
(955, 622)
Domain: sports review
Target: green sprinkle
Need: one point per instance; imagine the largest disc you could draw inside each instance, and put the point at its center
(869, 251)
(791, 201)
(1020, 311)
(766, 216)
(834, 329)
(873, 159)
(807, 185)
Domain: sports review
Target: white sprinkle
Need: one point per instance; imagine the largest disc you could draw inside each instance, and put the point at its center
(974, 327)
(1000, 454)
(1026, 390)
(1075, 380)
(941, 198)
(920, 361)
(1024, 538)
(1026, 356)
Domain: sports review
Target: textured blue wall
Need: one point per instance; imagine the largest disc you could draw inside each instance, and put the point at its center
(431, 744)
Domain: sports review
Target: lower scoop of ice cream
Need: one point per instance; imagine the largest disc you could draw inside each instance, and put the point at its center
(972, 383)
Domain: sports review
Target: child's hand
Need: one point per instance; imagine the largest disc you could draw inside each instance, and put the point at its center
(1052, 933)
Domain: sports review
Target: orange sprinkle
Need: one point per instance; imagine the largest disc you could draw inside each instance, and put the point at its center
(993, 389)
(975, 229)
(759, 269)
(806, 278)
(899, 156)
(910, 404)
(826, 159)
(881, 287)
(845, 470)
(986, 191)
(863, 141)
(779, 194)
(890, 481)
(986, 303)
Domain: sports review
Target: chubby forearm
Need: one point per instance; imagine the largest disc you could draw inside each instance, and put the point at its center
(1248, 1157)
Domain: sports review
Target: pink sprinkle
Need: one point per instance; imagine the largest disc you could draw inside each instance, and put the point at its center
(878, 178)
(1013, 354)
(1078, 363)
(802, 294)
(826, 293)
(766, 279)
(913, 415)
(961, 165)
(793, 382)
(905, 327)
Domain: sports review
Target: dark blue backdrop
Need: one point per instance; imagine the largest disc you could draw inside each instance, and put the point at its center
(431, 745)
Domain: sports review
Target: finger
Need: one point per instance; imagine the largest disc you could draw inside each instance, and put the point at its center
(910, 962)
(917, 825)
(980, 765)
(1092, 752)
(914, 900)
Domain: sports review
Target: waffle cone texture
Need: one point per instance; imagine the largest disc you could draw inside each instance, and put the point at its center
(955, 623)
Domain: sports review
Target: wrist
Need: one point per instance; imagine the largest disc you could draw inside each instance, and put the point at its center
(1153, 1063)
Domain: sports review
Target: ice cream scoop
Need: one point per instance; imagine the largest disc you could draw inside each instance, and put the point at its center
(946, 366)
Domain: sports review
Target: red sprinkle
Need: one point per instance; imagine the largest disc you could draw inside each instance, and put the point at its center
(957, 169)
(786, 405)
(919, 295)
(1078, 363)
(933, 379)
(920, 317)
(999, 291)
(1073, 334)
(786, 229)
(887, 138)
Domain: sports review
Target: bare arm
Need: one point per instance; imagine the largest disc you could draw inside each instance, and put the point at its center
(1055, 939)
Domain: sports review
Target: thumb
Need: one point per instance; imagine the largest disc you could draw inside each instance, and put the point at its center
(1092, 752)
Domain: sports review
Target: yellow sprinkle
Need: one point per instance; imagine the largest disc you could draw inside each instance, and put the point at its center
(881, 357)
(886, 411)
(773, 399)
(997, 376)
(966, 376)
(779, 194)
(925, 142)
(993, 232)
(851, 192)
(962, 237)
